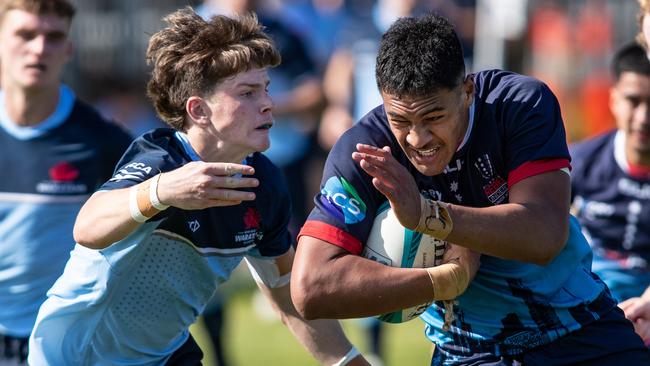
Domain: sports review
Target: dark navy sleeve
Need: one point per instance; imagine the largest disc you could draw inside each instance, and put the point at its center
(144, 158)
(346, 205)
(277, 238)
(535, 140)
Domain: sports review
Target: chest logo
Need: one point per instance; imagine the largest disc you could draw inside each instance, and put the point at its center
(194, 225)
(496, 188)
(62, 180)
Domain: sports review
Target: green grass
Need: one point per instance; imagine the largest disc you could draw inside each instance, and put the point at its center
(251, 339)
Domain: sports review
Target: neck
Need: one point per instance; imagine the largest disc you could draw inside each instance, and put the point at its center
(211, 149)
(637, 159)
(30, 107)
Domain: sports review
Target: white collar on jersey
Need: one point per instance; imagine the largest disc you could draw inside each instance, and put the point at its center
(60, 115)
(470, 125)
(619, 151)
(189, 150)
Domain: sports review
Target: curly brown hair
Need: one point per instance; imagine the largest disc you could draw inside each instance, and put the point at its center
(62, 8)
(193, 55)
(643, 11)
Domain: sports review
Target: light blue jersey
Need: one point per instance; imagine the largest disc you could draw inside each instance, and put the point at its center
(133, 302)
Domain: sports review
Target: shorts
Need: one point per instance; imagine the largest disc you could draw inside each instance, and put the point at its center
(608, 341)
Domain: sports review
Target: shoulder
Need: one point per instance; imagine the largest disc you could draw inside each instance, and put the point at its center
(505, 86)
(89, 119)
(156, 150)
(589, 150)
(371, 129)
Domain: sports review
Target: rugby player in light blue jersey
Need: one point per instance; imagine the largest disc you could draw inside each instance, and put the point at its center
(481, 161)
(55, 152)
(185, 205)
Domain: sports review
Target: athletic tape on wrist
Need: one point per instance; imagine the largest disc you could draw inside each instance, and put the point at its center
(352, 353)
(136, 214)
(434, 219)
(153, 194)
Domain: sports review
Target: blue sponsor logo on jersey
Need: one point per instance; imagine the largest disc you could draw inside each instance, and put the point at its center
(342, 201)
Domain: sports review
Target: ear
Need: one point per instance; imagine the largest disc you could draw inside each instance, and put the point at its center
(468, 91)
(198, 110)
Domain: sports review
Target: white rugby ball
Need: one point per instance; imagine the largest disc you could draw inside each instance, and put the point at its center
(393, 245)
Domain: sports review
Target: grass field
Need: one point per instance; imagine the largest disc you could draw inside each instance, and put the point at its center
(252, 339)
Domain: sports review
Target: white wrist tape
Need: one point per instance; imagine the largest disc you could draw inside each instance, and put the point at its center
(136, 214)
(352, 353)
(153, 194)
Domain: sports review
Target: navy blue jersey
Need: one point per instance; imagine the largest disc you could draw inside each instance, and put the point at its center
(148, 288)
(515, 131)
(613, 206)
(259, 224)
(49, 171)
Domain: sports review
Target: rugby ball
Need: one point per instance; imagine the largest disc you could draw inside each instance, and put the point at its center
(392, 244)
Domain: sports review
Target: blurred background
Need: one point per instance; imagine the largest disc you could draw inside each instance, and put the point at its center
(566, 43)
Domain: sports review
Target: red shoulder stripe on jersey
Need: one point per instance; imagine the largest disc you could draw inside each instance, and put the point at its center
(332, 235)
(536, 167)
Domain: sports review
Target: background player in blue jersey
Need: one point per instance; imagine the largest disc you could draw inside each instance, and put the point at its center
(610, 188)
(185, 205)
(55, 151)
(480, 161)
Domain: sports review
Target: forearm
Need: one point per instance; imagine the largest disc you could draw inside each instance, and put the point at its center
(104, 219)
(349, 286)
(324, 339)
(511, 231)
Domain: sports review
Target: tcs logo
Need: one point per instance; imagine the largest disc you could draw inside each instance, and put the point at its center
(339, 196)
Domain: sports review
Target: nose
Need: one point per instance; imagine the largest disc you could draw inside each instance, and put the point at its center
(642, 114)
(267, 104)
(418, 136)
(38, 45)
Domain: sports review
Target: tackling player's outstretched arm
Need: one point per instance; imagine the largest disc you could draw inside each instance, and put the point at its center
(363, 287)
(325, 338)
(109, 216)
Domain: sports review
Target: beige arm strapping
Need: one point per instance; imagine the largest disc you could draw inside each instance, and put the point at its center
(448, 280)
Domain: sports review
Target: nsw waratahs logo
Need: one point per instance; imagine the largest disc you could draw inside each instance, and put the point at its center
(63, 178)
(342, 201)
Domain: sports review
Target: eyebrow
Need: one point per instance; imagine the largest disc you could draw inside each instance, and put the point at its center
(254, 85)
(426, 111)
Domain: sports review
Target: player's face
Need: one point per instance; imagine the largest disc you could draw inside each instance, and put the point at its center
(630, 104)
(430, 129)
(241, 115)
(34, 48)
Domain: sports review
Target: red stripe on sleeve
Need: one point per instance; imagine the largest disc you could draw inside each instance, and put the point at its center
(332, 235)
(536, 167)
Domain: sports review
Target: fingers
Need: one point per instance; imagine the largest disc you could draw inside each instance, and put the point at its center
(226, 169)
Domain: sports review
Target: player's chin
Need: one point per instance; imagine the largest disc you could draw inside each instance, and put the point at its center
(427, 169)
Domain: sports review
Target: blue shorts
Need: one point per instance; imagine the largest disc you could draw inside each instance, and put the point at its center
(611, 340)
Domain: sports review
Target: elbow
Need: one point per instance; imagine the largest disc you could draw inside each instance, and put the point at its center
(551, 243)
(307, 302)
(83, 234)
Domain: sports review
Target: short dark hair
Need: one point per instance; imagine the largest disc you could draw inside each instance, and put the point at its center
(191, 55)
(632, 57)
(419, 56)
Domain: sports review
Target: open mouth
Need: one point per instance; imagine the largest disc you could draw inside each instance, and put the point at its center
(265, 126)
(39, 67)
(425, 153)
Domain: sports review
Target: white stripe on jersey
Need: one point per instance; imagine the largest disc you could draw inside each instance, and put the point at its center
(41, 198)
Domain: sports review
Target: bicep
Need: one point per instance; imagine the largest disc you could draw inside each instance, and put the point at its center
(550, 192)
